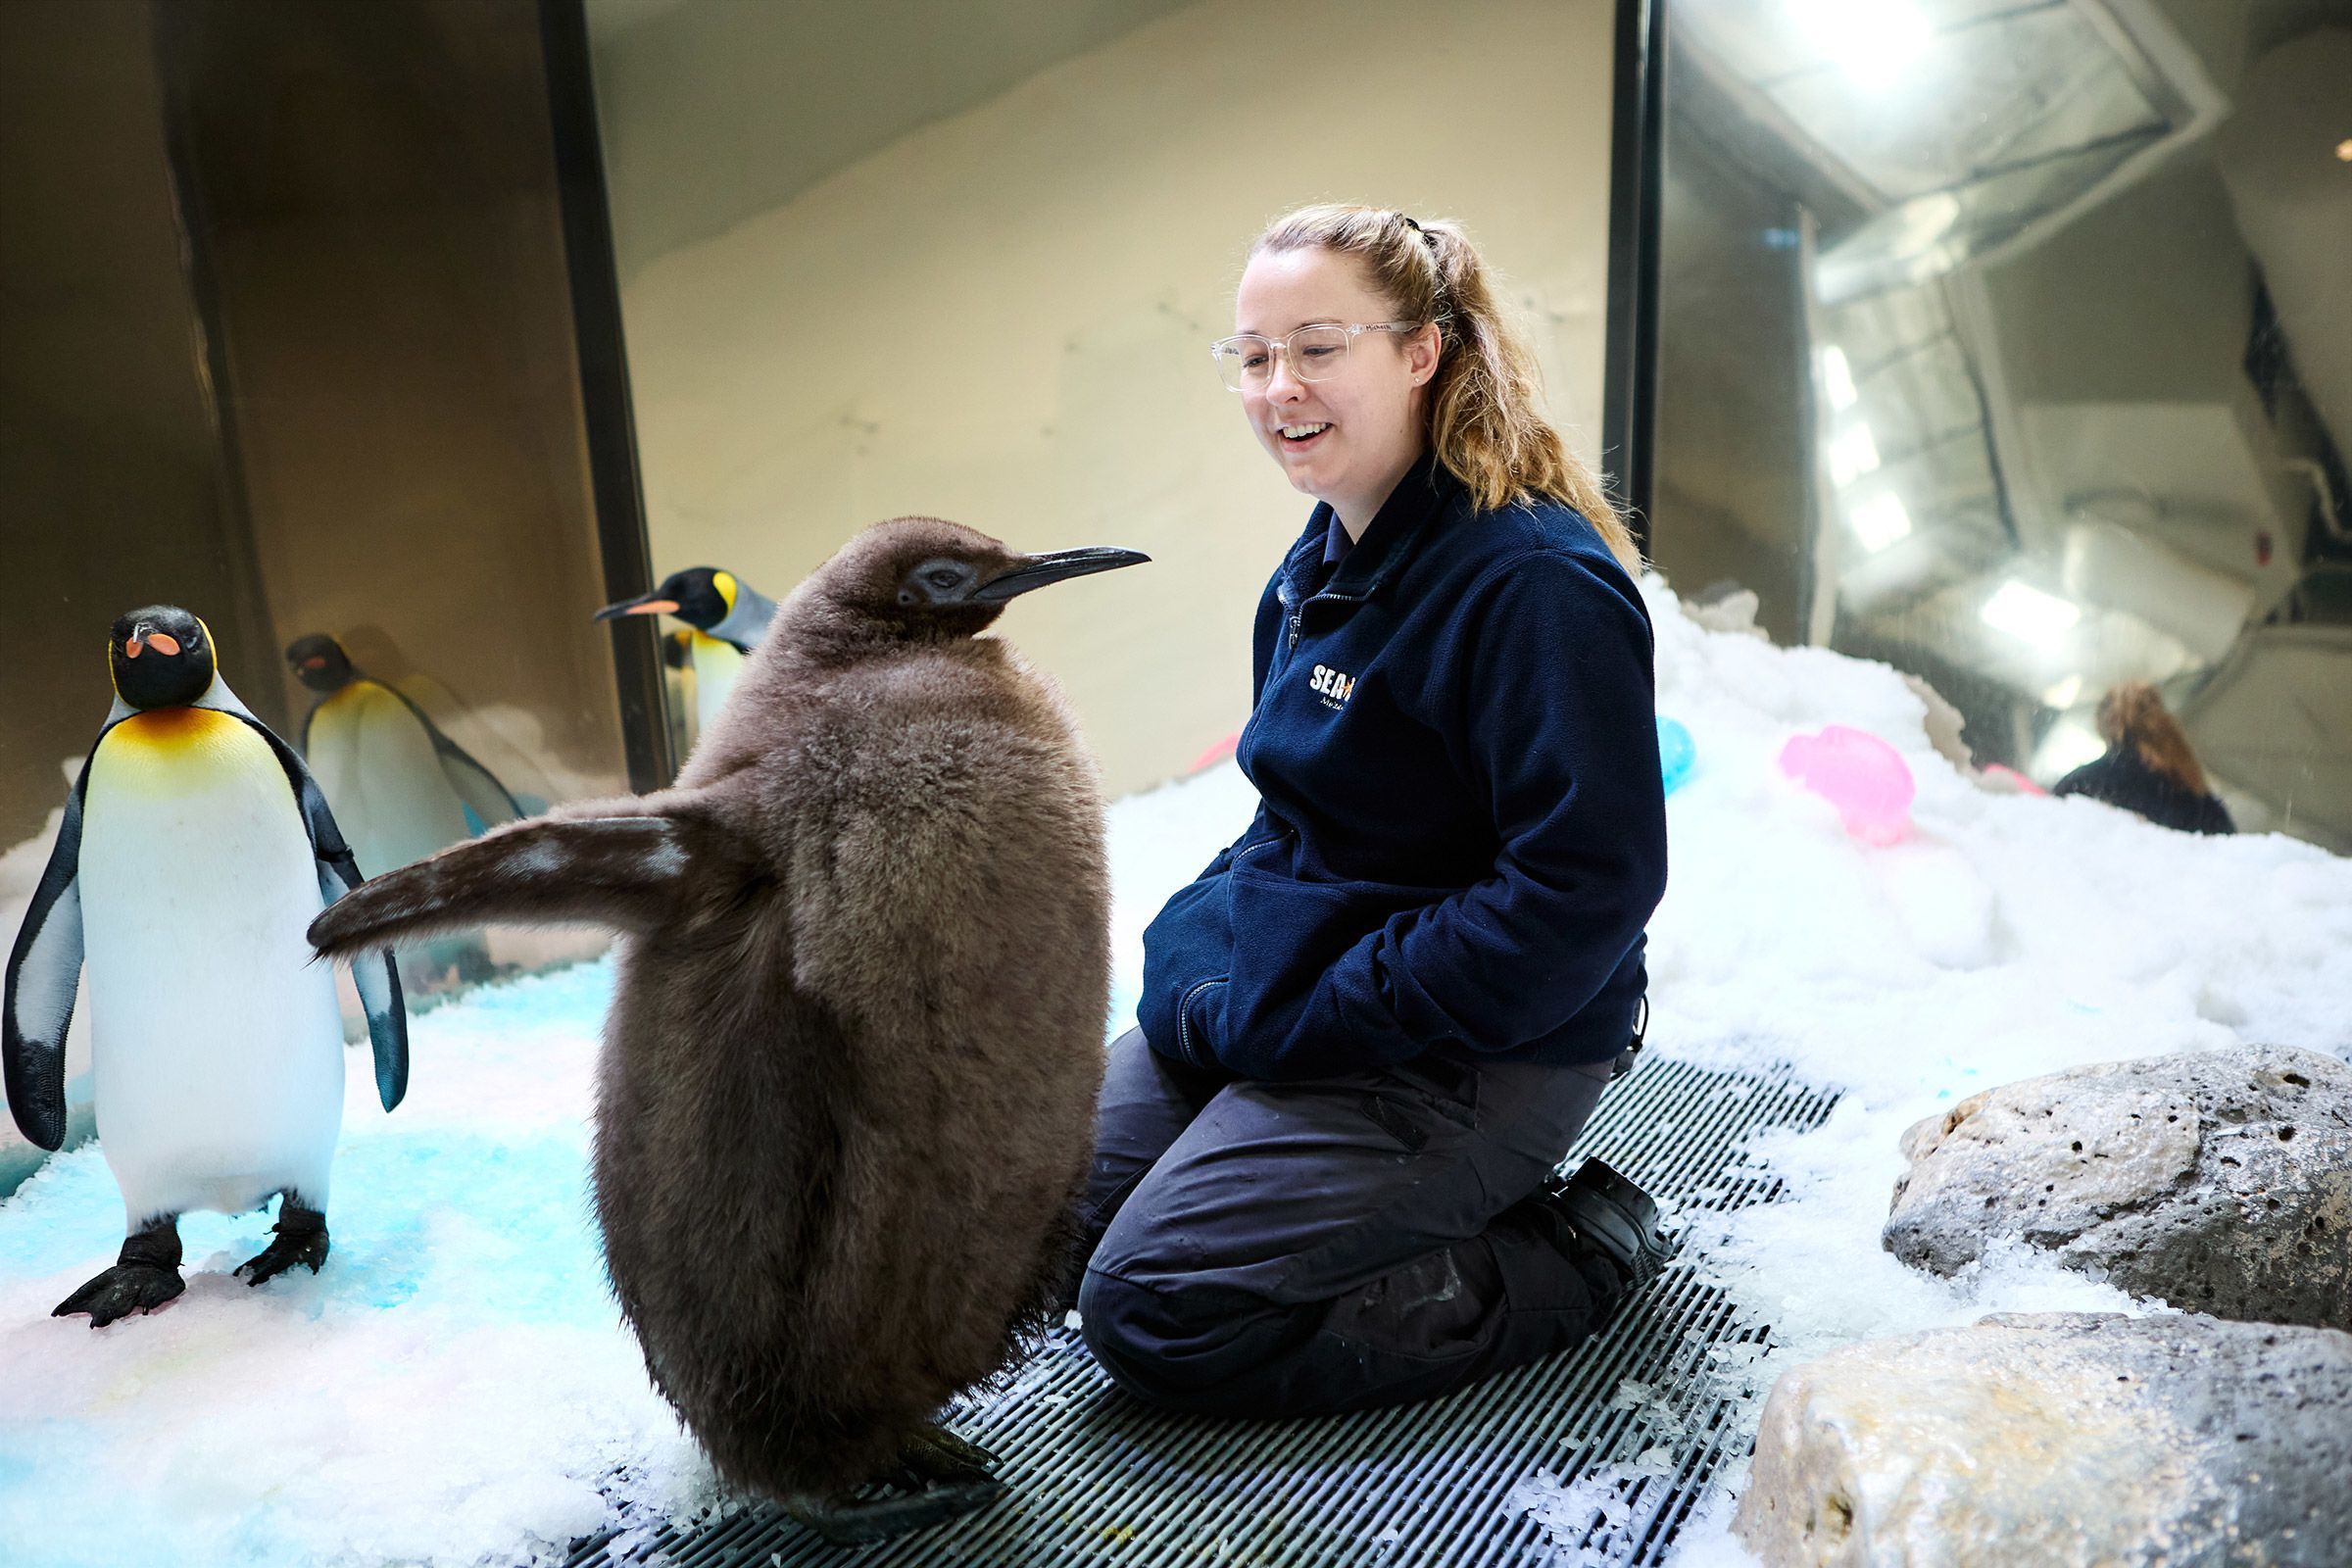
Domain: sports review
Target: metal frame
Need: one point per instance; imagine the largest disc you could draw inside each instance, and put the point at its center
(616, 490)
(1629, 393)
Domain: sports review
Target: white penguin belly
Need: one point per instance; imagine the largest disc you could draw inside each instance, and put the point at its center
(382, 778)
(716, 666)
(217, 1046)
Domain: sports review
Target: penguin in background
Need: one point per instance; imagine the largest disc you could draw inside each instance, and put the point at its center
(846, 1099)
(195, 849)
(399, 787)
(725, 618)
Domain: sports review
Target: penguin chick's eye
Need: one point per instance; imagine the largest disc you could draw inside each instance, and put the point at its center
(944, 577)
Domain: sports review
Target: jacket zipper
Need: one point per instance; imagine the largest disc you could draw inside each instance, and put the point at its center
(1183, 1022)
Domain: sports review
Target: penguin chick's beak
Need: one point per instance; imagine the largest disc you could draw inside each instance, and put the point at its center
(646, 604)
(1036, 572)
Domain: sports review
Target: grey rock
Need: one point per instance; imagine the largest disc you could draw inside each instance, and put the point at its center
(2218, 1181)
(2060, 1441)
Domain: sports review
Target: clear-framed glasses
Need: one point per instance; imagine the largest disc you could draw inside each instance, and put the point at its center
(1316, 353)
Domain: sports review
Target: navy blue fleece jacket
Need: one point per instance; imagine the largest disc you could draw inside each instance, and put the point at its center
(1462, 832)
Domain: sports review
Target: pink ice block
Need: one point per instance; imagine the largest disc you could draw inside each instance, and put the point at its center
(1859, 774)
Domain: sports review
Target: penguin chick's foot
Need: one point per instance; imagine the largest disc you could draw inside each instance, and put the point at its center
(300, 1239)
(936, 1477)
(145, 1275)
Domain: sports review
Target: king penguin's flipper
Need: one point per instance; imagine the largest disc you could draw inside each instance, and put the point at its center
(490, 802)
(625, 872)
(338, 872)
(44, 969)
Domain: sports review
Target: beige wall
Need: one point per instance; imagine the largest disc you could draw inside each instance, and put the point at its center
(1002, 317)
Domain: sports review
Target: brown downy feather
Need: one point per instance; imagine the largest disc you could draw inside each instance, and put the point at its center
(846, 1099)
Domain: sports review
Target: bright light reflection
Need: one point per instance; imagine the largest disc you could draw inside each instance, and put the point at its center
(1878, 521)
(1852, 453)
(2068, 745)
(2344, 150)
(2063, 693)
(1838, 379)
(1872, 40)
(2026, 611)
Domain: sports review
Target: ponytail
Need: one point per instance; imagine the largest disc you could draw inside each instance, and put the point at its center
(2133, 714)
(1485, 423)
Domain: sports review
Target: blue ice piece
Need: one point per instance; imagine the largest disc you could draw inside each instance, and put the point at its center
(1676, 753)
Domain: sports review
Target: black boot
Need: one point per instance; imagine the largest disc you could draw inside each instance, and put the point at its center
(1608, 1214)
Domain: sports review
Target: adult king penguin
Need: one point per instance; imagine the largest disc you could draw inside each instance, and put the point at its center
(398, 787)
(195, 849)
(725, 619)
(846, 1094)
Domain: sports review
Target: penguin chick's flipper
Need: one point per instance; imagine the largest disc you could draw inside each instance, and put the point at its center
(626, 872)
(301, 1237)
(36, 1006)
(145, 1275)
(936, 1477)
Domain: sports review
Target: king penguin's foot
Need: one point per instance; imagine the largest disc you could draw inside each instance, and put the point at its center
(145, 1275)
(936, 1477)
(301, 1237)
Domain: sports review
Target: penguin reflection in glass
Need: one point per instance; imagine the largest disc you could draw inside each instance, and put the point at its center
(848, 1085)
(725, 618)
(195, 849)
(399, 787)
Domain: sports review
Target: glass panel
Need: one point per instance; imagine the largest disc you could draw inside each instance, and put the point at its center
(290, 346)
(2049, 324)
(967, 260)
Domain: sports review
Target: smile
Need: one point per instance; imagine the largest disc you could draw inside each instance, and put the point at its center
(1296, 433)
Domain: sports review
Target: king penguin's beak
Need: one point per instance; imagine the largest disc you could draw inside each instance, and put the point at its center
(1035, 572)
(642, 605)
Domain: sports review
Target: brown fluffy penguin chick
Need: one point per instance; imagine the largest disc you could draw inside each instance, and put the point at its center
(847, 1090)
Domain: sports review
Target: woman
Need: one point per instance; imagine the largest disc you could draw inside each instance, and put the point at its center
(1373, 1026)
(2148, 769)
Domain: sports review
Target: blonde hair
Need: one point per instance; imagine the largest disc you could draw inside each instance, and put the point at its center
(2133, 714)
(1484, 422)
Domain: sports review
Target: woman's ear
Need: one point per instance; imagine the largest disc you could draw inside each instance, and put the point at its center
(1421, 352)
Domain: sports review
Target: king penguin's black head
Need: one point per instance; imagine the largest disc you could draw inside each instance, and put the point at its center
(926, 579)
(160, 656)
(700, 595)
(320, 662)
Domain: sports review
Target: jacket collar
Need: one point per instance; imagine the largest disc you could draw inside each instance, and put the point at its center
(1396, 530)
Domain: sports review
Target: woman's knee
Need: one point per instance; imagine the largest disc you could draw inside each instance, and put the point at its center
(1192, 1348)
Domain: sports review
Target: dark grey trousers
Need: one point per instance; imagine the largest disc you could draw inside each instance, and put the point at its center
(1296, 1248)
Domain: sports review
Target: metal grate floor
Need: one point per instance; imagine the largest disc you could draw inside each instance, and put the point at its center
(1592, 1456)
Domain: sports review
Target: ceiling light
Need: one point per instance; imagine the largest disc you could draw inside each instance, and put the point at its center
(1838, 379)
(2344, 150)
(1852, 453)
(2026, 613)
(1872, 40)
(2063, 693)
(1878, 521)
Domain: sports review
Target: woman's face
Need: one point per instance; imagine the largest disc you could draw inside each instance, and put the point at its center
(1349, 436)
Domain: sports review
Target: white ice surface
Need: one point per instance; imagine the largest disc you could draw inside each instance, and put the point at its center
(454, 1388)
